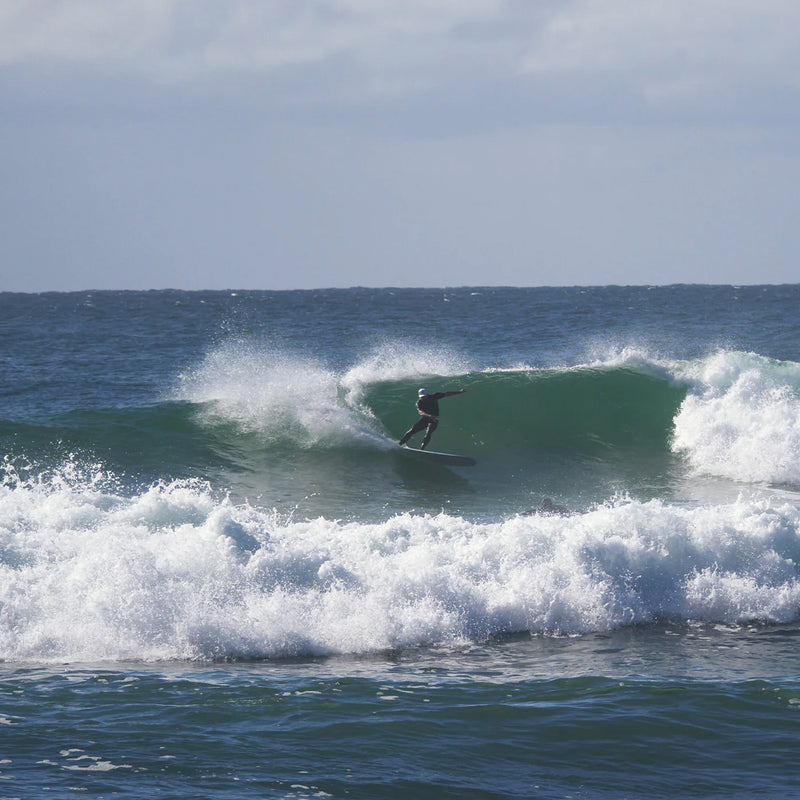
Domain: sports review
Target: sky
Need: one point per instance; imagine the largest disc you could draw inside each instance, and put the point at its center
(295, 144)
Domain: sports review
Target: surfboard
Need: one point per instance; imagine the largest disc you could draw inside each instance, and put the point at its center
(452, 459)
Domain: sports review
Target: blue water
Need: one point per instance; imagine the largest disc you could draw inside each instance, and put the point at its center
(219, 576)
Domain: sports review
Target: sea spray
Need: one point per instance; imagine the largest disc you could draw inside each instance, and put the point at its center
(402, 363)
(269, 392)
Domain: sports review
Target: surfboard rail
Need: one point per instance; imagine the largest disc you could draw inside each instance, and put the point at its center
(453, 459)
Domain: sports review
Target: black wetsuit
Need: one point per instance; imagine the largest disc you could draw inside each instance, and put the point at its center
(428, 405)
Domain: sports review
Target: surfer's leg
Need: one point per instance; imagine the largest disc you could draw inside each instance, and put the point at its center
(417, 426)
(431, 428)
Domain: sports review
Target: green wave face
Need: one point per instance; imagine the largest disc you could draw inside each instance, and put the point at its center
(583, 412)
(578, 434)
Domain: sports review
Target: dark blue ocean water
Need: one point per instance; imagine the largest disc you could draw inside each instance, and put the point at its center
(220, 577)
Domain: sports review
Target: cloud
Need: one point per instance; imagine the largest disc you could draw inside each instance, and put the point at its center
(704, 56)
(322, 142)
(185, 39)
(673, 51)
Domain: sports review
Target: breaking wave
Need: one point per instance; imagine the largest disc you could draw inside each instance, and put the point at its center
(88, 574)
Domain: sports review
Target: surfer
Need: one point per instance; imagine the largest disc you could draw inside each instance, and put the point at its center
(428, 410)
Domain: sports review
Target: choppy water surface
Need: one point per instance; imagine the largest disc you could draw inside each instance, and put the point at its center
(219, 576)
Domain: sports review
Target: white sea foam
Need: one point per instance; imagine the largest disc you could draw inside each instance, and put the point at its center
(174, 573)
(741, 418)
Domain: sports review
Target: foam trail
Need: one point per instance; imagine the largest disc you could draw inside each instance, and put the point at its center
(175, 573)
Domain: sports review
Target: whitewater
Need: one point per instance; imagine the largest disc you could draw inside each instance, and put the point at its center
(175, 574)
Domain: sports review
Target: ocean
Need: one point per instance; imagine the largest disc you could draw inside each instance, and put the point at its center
(220, 577)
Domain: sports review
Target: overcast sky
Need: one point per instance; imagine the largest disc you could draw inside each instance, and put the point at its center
(315, 143)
